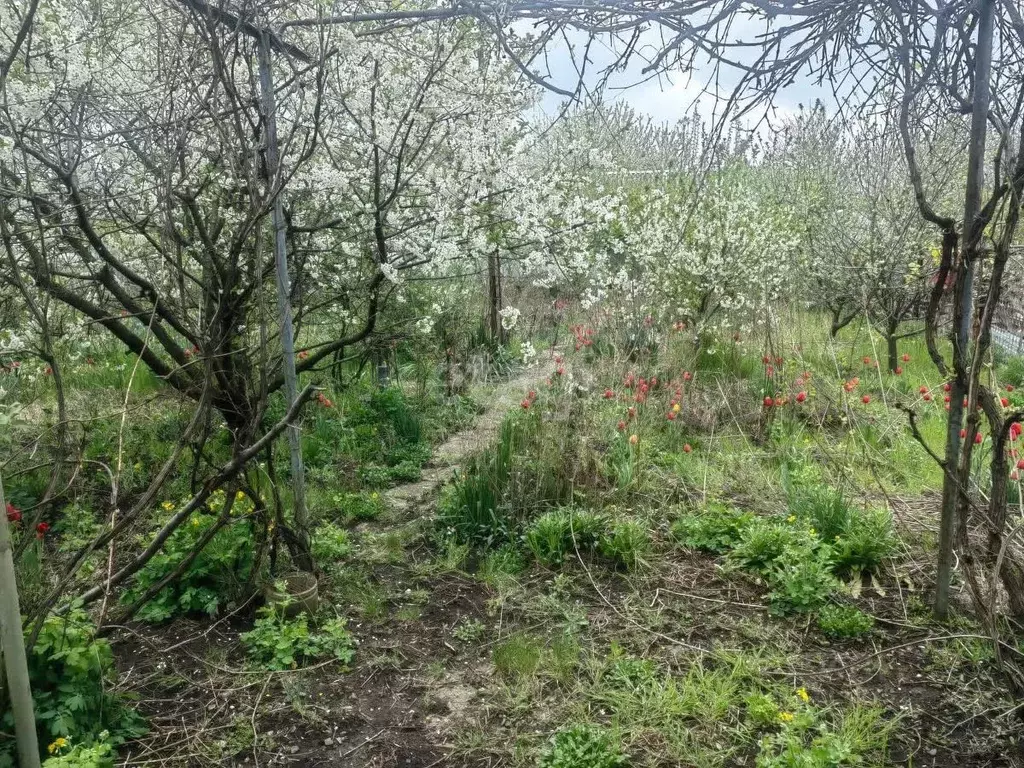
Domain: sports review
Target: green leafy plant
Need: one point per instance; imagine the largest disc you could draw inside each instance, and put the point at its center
(330, 544)
(867, 541)
(72, 675)
(469, 631)
(762, 710)
(763, 542)
(279, 643)
(825, 509)
(801, 580)
(583, 746)
(717, 528)
(212, 579)
(628, 543)
(98, 755)
(559, 533)
(844, 621)
(472, 511)
(807, 740)
(357, 507)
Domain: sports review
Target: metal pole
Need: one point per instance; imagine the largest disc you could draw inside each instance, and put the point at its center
(12, 645)
(284, 302)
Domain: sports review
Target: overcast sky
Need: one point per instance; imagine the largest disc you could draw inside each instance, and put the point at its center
(670, 95)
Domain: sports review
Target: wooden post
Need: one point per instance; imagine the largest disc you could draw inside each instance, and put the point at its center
(12, 645)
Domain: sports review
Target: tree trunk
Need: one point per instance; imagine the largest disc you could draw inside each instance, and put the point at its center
(962, 308)
(891, 346)
(494, 297)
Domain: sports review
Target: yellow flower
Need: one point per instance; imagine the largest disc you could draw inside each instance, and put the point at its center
(802, 693)
(168, 505)
(677, 408)
(195, 521)
(791, 519)
(239, 496)
(58, 744)
(811, 531)
(786, 717)
(374, 495)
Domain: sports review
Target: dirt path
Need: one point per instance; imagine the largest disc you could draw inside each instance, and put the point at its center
(449, 455)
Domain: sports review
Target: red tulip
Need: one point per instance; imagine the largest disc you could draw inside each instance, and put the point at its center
(978, 438)
(866, 399)
(926, 397)
(525, 405)
(1015, 475)
(923, 389)
(947, 387)
(671, 415)
(766, 359)
(778, 361)
(1015, 430)
(687, 376)
(768, 402)
(1009, 387)
(963, 433)
(1020, 464)
(608, 394)
(621, 426)
(899, 371)
(867, 360)
(801, 396)
(945, 399)
(532, 395)
(632, 412)
(560, 371)
(13, 513)
(687, 448)
(906, 358)
(1004, 402)
(41, 530)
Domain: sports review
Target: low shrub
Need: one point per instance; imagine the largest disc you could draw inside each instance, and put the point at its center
(72, 675)
(211, 581)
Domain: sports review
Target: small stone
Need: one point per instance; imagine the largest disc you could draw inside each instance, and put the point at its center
(328, 742)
